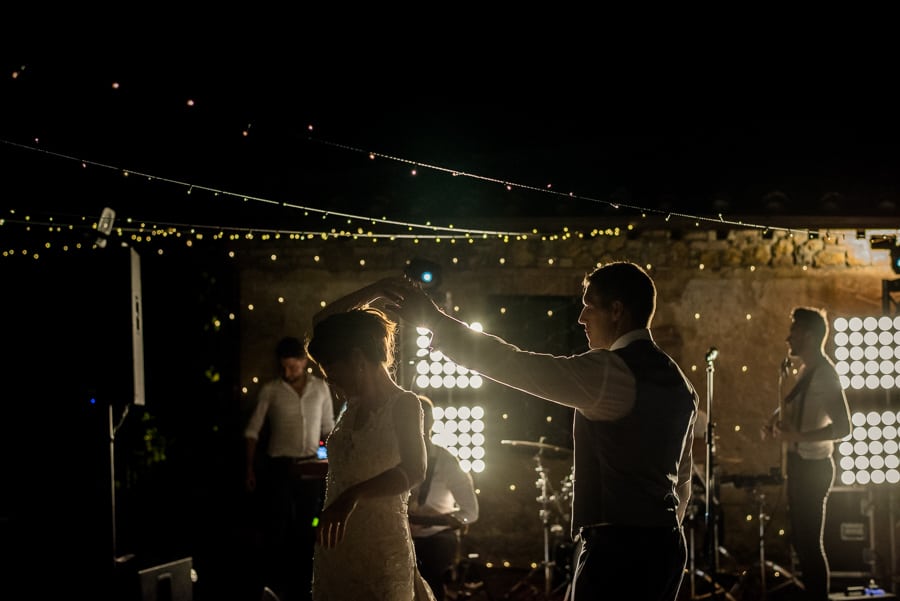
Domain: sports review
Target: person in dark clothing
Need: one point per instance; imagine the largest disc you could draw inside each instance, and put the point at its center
(633, 427)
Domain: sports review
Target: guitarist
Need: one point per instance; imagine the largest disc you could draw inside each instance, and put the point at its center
(815, 415)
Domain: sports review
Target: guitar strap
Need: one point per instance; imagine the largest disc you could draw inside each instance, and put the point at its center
(798, 395)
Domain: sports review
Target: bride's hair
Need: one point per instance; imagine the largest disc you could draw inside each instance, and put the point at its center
(369, 330)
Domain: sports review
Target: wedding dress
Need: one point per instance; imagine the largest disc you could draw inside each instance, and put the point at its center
(376, 560)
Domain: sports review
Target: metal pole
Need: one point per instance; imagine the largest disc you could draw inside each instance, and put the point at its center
(711, 525)
(112, 486)
(893, 538)
(545, 520)
(692, 565)
(762, 543)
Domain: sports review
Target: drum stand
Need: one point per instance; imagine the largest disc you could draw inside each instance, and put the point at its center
(765, 564)
(547, 497)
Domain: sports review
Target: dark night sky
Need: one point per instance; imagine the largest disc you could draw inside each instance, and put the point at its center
(645, 148)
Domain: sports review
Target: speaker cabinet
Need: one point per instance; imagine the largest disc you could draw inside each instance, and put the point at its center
(848, 531)
(72, 331)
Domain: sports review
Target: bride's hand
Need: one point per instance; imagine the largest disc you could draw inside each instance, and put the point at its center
(333, 522)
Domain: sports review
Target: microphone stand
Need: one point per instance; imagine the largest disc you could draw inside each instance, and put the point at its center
(712, 489)
(711, 482)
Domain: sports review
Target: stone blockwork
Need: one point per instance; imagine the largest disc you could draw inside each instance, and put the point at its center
(730, 288)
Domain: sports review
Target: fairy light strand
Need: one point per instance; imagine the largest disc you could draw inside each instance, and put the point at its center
(719, 219)
(159, 228)
(190, 187)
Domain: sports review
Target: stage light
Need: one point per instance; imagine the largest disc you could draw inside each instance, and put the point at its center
(871, 454)
(889, 243)
(434, 370)
(427, 273)
(461, 431)
(867, 352)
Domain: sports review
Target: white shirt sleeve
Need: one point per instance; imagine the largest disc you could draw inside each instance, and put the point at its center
(460, 484)
(258, 415)
(824, 403)
(596, 383)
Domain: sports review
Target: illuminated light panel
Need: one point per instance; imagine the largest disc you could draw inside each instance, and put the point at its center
(434, 370)
(867, 352)
(461, 431)
(871, 454)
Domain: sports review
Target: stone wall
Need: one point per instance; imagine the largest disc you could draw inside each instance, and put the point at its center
(726, 288)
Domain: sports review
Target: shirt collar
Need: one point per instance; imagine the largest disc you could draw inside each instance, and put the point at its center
(629, 337)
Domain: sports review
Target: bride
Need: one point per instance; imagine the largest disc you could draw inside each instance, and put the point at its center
(376, 454)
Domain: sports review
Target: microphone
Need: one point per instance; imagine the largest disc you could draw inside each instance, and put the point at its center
(711, 354)
(105, 226)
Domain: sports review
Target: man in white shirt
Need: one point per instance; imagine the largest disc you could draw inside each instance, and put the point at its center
(440, 509)
(298, 409)
(816, 414)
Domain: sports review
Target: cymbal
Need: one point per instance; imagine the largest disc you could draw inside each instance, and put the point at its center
(536, 445)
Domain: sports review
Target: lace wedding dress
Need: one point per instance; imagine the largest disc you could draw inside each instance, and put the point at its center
(376, 561)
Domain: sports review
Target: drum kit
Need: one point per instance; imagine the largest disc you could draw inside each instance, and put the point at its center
(703, 518)
(704, 578)
(555, 514)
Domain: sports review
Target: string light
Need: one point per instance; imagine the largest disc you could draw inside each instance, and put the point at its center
(547, 189)
(643, 211)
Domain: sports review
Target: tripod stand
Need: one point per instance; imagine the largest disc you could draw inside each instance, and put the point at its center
(548, 499)
(763, 563)
(711, 504)
(761, 587)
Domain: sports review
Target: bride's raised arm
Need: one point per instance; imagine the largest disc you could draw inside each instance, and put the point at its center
(357, 299)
